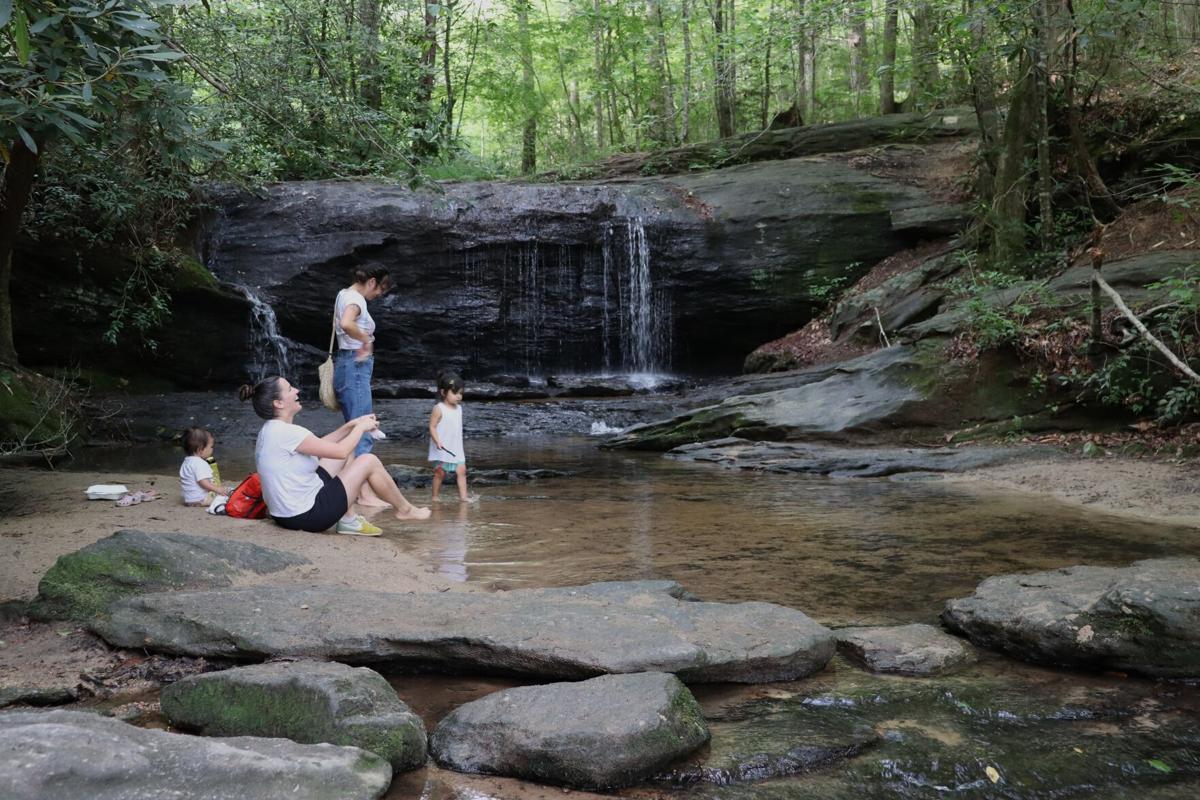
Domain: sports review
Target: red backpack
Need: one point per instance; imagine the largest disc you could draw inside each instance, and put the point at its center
(246, 499)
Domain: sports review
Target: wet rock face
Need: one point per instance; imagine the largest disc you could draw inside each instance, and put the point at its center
(74, 755)
(534, 278)
(904, 649)
(607, 732)
(576, 630)
(83, 584)
(1143, 618)
(309, 702)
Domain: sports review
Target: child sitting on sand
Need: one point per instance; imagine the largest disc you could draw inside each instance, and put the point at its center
(446, 436)
(199, 481)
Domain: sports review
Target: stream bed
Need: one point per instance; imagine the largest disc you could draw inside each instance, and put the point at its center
(844, 551)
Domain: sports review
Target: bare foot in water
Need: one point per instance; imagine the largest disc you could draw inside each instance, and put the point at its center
(368, 498)
(414, 512)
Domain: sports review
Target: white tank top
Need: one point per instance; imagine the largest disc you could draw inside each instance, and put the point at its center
(449, 430)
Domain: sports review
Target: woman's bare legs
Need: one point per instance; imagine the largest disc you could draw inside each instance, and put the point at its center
(368, 470)
(335, 467)
(366, 495)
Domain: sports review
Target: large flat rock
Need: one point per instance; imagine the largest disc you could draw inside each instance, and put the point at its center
(74, 755)
(575, 632)
(607, 732)
(306, 701)
(1143, 618)
(80, 585)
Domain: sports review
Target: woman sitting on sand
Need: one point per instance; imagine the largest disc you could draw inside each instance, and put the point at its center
(307, 482)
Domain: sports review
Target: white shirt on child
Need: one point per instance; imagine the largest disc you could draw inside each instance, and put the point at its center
(289, 479)
(449, 430)
(345, 299)
(194, 470)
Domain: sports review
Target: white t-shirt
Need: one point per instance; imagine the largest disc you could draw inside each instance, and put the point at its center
(345, 299)
(450, 432)
(194, 470)
(289, 479)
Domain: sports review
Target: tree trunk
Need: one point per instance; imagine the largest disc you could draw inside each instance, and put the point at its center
(661, 108)
(370, 85)
(924, 57)
(1098, 194)
(686, 112)
(765, 111)
(982, 69)
(529, 131)
(598, 68)
(1007, 215)
(857, 42)
(723, 68)
(448, 122)
(19, 174)
(1045, 41)
(810, 77)
(887, 72)
(425, 145)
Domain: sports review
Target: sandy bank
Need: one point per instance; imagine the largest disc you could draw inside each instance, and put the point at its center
(1166, 491)
(44, 515)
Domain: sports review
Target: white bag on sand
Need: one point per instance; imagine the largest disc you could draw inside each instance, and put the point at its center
(106, 491)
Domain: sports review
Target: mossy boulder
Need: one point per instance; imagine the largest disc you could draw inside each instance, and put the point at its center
(1143, 618)
(607, 732)
(306, 701)
(82, 585)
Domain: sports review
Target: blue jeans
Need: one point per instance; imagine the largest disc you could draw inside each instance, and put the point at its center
(352, 384)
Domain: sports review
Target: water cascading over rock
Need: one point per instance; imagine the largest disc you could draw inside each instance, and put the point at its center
(683, 274)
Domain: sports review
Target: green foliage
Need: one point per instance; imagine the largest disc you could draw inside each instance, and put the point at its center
(66, 67)
(1139, 378)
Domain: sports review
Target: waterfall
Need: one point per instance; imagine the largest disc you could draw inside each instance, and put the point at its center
(641, 338)
(585, 308)
(645, 312)
(268, 350)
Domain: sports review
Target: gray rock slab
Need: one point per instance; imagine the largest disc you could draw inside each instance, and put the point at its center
(846, 462)
(1143, 618)
(865, 393)
(306, 701)
(82, 584)
(574, 632)
(607, 732)
(410, 477)
(37, 695)
(904, 649)
(74, 755)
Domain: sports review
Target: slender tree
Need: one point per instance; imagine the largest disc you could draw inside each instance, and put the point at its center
(887, 69)
(528, 89)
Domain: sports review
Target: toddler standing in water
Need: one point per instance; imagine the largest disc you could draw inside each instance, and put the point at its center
(199, 481)
(446, 436)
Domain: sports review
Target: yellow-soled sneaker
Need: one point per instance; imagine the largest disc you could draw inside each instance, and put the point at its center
(358, 527)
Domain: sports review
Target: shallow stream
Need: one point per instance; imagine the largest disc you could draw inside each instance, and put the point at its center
(844, 551)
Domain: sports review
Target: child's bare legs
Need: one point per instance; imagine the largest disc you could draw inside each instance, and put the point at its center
(439, 475)
(460, 474)
(368, 470)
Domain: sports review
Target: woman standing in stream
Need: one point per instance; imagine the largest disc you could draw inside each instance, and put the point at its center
(354, 362)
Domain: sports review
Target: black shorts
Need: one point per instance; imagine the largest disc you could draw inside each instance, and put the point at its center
(329, 506)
